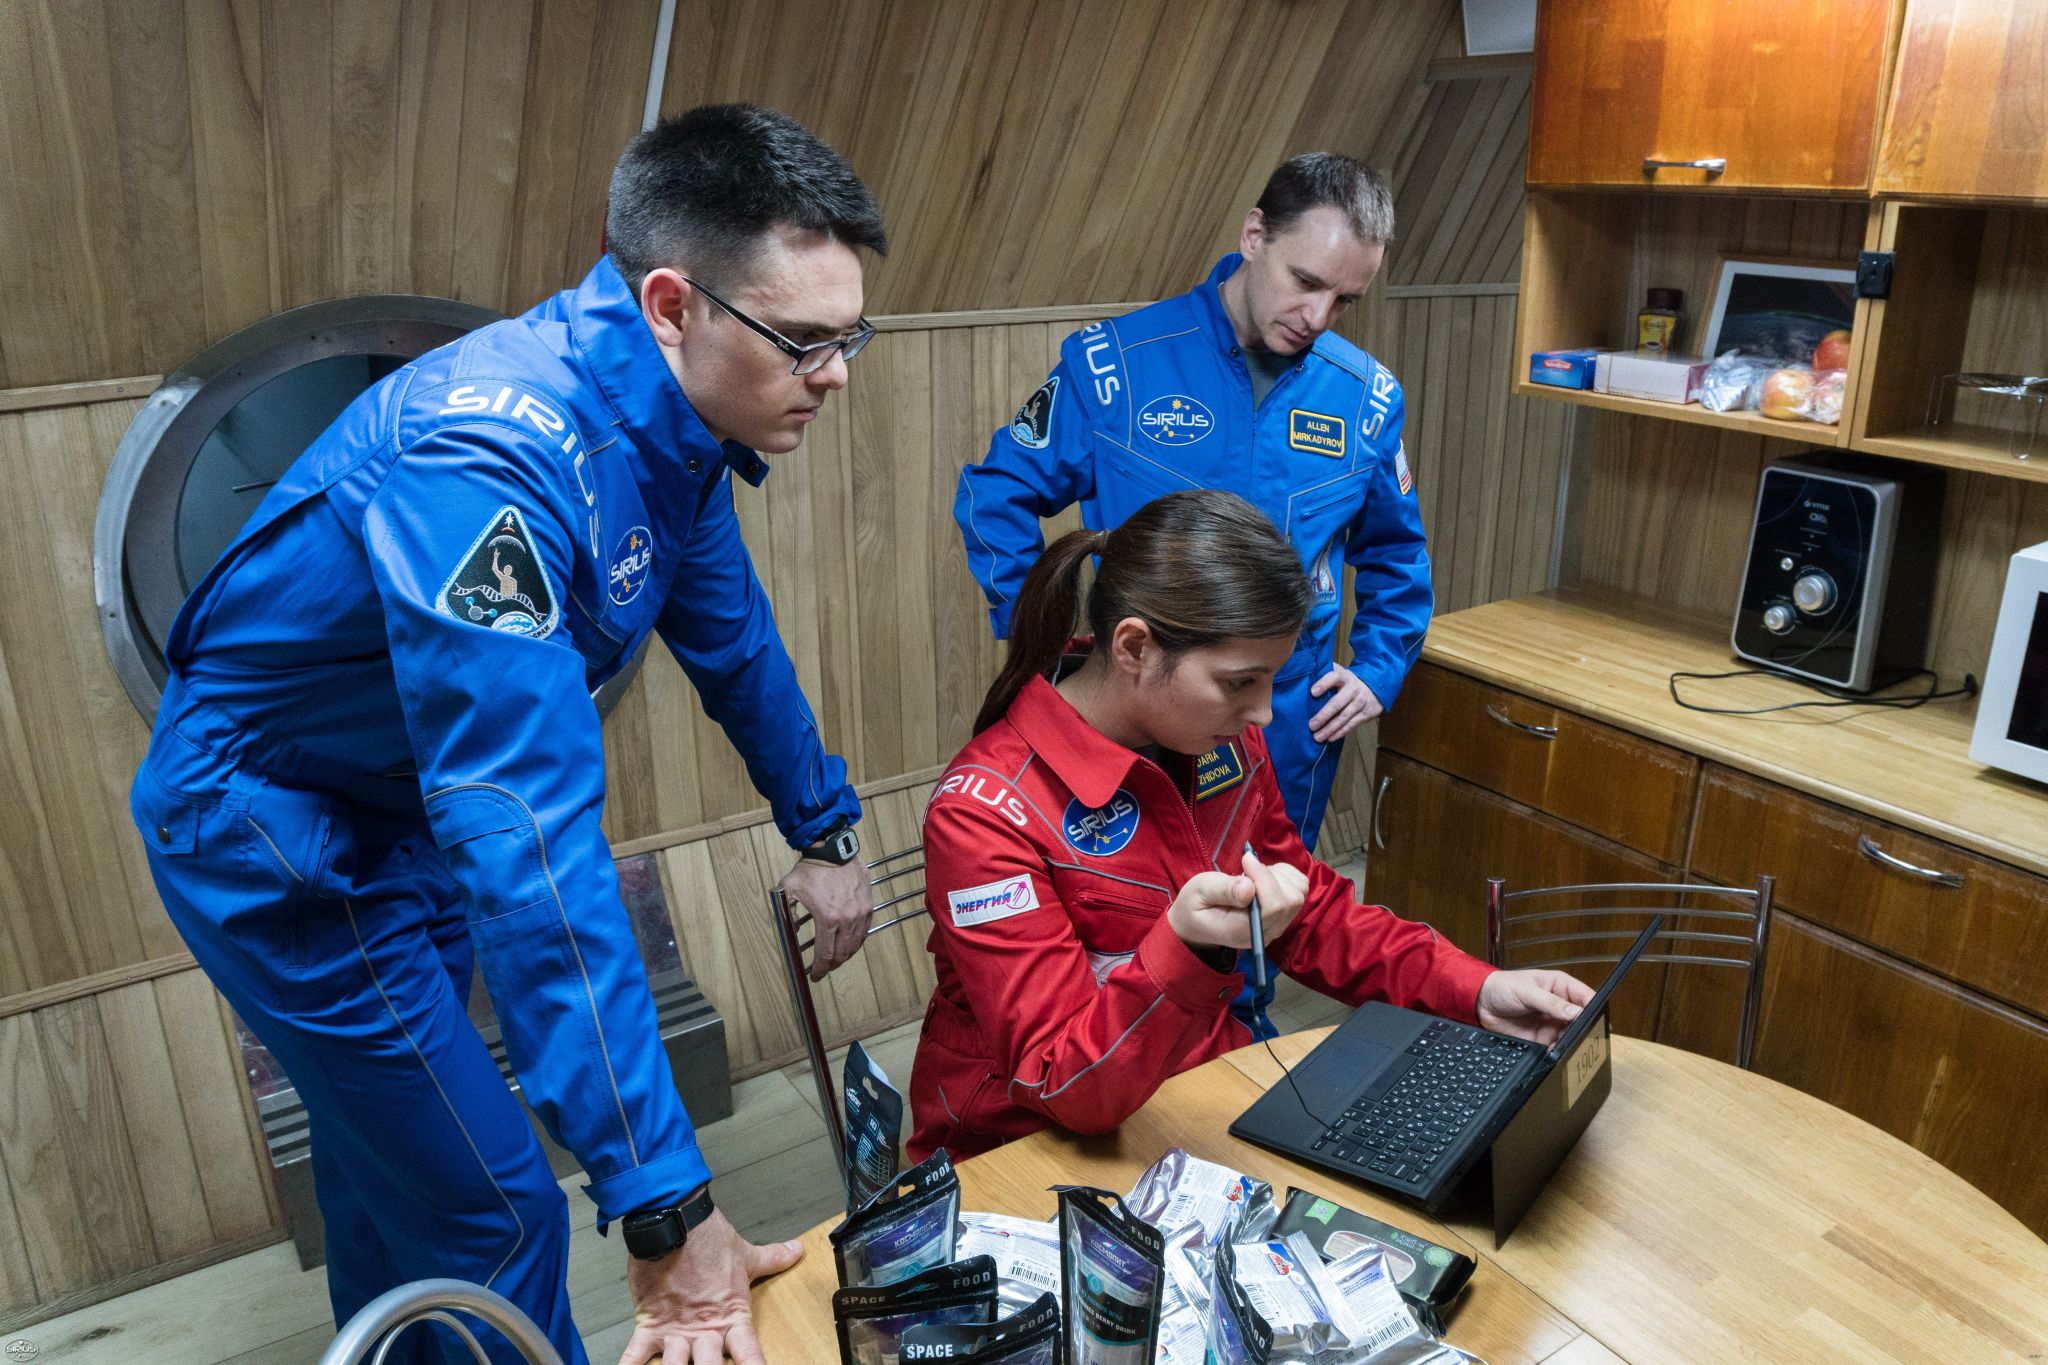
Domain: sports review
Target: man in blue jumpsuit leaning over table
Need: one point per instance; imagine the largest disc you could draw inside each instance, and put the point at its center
(1240, 385)
(377, 762)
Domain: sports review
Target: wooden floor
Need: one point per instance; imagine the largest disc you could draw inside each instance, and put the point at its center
(774, 1179)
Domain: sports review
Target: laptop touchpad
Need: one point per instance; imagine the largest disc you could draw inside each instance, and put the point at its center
(1341, 1063)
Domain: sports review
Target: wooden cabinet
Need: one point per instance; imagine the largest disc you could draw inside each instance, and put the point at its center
(1972, 920)
(1906, 977)
(1784, 93)
(1960, 1078)
(1440, 839)
(1615, 784)
(1965, 113)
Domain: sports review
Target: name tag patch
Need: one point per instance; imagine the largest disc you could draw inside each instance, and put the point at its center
(1218, 771)
(994, 901)
(1316, 432)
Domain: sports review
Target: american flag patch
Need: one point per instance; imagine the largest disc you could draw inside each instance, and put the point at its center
(1401, 474)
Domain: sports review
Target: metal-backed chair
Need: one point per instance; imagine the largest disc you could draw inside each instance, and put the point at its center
(378, 1323)
(1745, 950)
(892, 888)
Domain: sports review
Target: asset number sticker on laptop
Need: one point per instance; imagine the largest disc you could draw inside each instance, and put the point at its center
(1584, 1064)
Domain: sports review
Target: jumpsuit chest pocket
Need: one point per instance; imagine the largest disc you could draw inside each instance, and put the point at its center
(1320, 511)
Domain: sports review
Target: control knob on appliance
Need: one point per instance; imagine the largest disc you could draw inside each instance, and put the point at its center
(1814, 592)
(1778, 618)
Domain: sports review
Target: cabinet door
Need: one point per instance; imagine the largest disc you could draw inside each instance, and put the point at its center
(1785, 92)
(1596, 777)
(1939, 1067)
(1439, 839)
(1964, 117)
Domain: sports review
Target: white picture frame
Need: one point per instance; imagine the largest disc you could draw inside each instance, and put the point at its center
(1755, 286)
(2016, 679)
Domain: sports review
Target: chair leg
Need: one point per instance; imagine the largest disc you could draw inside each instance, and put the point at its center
(1753, 991)
(807, 1021)
(1496, 921)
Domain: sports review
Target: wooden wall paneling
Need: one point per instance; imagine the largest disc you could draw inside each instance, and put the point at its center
(113, 1219)
(233, 1167)
(39, 1165)
(179, 172)
(83, 901)
(1038, 154)
(17, 1279)
(147, 1089)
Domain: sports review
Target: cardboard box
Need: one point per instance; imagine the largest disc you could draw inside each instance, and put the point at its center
(1563, 369)
(1647, 374)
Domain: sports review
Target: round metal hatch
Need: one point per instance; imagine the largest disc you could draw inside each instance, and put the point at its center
(208, 444)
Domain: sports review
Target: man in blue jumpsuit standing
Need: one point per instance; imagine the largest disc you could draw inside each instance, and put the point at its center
(1240, 385)
(377, 764)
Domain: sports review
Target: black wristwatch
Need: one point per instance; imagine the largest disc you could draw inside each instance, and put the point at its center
(838, 844)
(653, 1233)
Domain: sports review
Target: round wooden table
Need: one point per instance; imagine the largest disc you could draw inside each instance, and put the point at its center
(1708, 1214)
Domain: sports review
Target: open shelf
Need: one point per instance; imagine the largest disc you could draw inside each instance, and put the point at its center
(1590, 257)
(1958, 446)
(1752, 422)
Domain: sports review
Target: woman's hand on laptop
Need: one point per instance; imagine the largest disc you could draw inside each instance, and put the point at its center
(1214, 908)
(1533, 1004)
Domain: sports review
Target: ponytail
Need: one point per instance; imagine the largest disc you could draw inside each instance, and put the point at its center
(1196, 567)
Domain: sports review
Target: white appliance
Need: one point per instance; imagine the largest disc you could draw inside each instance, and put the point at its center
(2012, 712)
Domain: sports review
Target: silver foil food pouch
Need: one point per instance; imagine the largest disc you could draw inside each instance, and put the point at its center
(1027, 1255)
(1238, 1333)
(1179, 1189)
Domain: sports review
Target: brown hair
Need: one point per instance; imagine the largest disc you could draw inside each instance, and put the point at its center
(1196, 567)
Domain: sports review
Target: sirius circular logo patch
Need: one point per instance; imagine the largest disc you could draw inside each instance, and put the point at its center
(1105, 829)
(1176, 420)
(630, 562)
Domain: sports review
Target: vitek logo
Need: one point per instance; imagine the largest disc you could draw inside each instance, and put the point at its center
(1176, 420)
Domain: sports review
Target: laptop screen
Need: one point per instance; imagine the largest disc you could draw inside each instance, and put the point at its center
(1577, 1028)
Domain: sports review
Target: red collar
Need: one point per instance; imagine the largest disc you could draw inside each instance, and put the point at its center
(1090, 763)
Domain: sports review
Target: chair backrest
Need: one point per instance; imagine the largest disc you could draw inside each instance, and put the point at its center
(1573, 944)
(899, 880)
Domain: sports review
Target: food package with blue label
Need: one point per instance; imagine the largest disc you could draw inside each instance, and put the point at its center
(1112, 1279)
(1027, 1255)
(909, 1227)
(871, 1320)
(1572, 369)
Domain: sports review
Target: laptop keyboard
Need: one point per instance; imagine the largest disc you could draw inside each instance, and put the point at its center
(1403, 1136)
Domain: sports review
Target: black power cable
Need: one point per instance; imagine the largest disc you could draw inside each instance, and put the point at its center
(1842, 697)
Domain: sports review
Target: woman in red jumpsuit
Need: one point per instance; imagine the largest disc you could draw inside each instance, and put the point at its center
(1084, 853)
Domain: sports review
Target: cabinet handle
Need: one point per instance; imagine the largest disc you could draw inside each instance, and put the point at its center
(1869, 849)
(1379, 840)
(1712, 165)
(1540, 731)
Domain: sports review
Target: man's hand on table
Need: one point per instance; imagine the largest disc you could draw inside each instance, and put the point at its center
(694, 1306)
(1532, 1004)
(841, 898)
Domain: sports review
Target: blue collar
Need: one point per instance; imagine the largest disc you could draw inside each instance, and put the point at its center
(1208, 297)
(629, 369)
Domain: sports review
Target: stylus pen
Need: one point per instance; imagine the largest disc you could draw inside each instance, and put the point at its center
(1258, 934)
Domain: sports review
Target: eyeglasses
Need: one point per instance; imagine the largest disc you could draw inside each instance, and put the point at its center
(804, 359)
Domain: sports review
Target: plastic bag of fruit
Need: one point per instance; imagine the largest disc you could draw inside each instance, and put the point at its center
(1800, 393)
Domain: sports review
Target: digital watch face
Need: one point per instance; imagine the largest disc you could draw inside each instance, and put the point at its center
(210, 443)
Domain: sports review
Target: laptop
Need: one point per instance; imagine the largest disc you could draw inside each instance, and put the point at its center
(1412, 1104)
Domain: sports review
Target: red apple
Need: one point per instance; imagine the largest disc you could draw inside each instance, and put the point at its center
(1833, 351)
